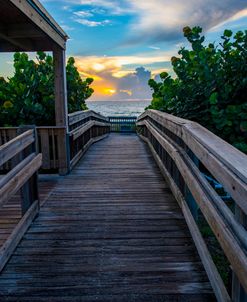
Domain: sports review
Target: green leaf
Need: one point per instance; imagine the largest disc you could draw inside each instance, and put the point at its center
(228, 33)
(213, 98)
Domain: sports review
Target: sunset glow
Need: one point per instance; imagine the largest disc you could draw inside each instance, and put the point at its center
(111, 40)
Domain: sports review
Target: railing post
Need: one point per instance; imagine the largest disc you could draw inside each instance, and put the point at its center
(187, 194)
(64, 153)
(238, 293)
(61, 108)
(29, 192)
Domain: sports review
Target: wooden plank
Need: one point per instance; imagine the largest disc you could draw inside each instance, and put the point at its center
(45, 148)
(54, 32)
(9, 246)
(223, 233)
(16, 145)
(17, 177)
(61, 106)
(114, 226)
(212, 272)
(225, 162)
(78, 132)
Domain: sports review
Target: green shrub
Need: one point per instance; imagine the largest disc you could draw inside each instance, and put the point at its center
(210, 87)
(28, 96)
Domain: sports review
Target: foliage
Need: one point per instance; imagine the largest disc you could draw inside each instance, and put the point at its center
(210, 87)
(28, 96)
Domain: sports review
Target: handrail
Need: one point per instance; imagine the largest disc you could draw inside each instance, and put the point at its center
(86, 127)
(76, 119)
(16, 145)
(176, 143)
(22, 177)
(226, 163)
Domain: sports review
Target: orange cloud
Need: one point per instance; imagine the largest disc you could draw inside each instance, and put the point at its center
(107, 72)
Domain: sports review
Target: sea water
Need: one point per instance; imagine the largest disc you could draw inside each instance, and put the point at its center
(119, 108)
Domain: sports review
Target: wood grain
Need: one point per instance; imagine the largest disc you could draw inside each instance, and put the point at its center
(109, 231)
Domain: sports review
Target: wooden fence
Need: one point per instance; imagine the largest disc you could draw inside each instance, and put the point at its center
(86, 128)
(23, 177)
(51, 142)
(124, 124)
(179, 146)
(61, 150)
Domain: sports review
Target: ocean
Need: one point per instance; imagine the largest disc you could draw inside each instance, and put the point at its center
(118, 108)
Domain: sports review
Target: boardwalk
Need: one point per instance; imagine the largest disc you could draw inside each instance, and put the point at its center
(110, 231)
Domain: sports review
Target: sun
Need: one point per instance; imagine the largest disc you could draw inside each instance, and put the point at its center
(109, 91)
(98, 67)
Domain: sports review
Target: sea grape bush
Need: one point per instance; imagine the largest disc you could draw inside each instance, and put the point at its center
(210, 85)
(28, 96)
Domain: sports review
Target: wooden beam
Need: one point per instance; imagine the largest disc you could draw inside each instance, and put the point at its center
(46, 24)
(11, 243)
(211, 270)
(226, 163)
(23, 44)
(18, 176)
(223, 233)
(21, 30)
(61, 105)
(16, 145)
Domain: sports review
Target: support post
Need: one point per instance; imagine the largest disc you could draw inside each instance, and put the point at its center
(29, 192)
(61, 107)
(238, 293)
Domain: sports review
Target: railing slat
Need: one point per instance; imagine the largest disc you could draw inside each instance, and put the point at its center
(213, 274)
(177, 144)
(226, 163)
(16, 145)
(18, 176)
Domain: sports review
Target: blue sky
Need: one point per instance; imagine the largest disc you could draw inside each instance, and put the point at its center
(111, 38)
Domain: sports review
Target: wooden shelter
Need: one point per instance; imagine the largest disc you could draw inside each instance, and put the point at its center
(25, 25)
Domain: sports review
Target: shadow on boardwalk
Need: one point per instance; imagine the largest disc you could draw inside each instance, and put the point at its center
(110, 231)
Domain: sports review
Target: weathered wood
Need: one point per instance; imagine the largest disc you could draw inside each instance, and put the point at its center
(17, 177)
(61, 106)
(225, 162)
(223, 233)
(212, 272)
(55, 32)
(110, 229)
(80, 117)
(10, 244)
(77, 133)
(16, 145)
(80, 131)
(76, 159)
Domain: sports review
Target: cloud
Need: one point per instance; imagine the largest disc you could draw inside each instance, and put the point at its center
(162, 20)
(238, 16)
(120, 77)
(154, 47)
(91, 23)
(83, 14)
(67, 27)
(115, 7)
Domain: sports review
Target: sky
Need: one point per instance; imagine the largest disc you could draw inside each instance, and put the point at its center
(123, 43)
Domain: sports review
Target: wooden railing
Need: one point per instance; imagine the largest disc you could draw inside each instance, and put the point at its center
(123, 123)
(180, 147)
(51, 143)
(55, 143)
(23, 177)
(86, 127)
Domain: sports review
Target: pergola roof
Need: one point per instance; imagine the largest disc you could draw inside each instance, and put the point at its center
(25, 25)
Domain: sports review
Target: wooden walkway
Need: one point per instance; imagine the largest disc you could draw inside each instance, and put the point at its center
(109, 231)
